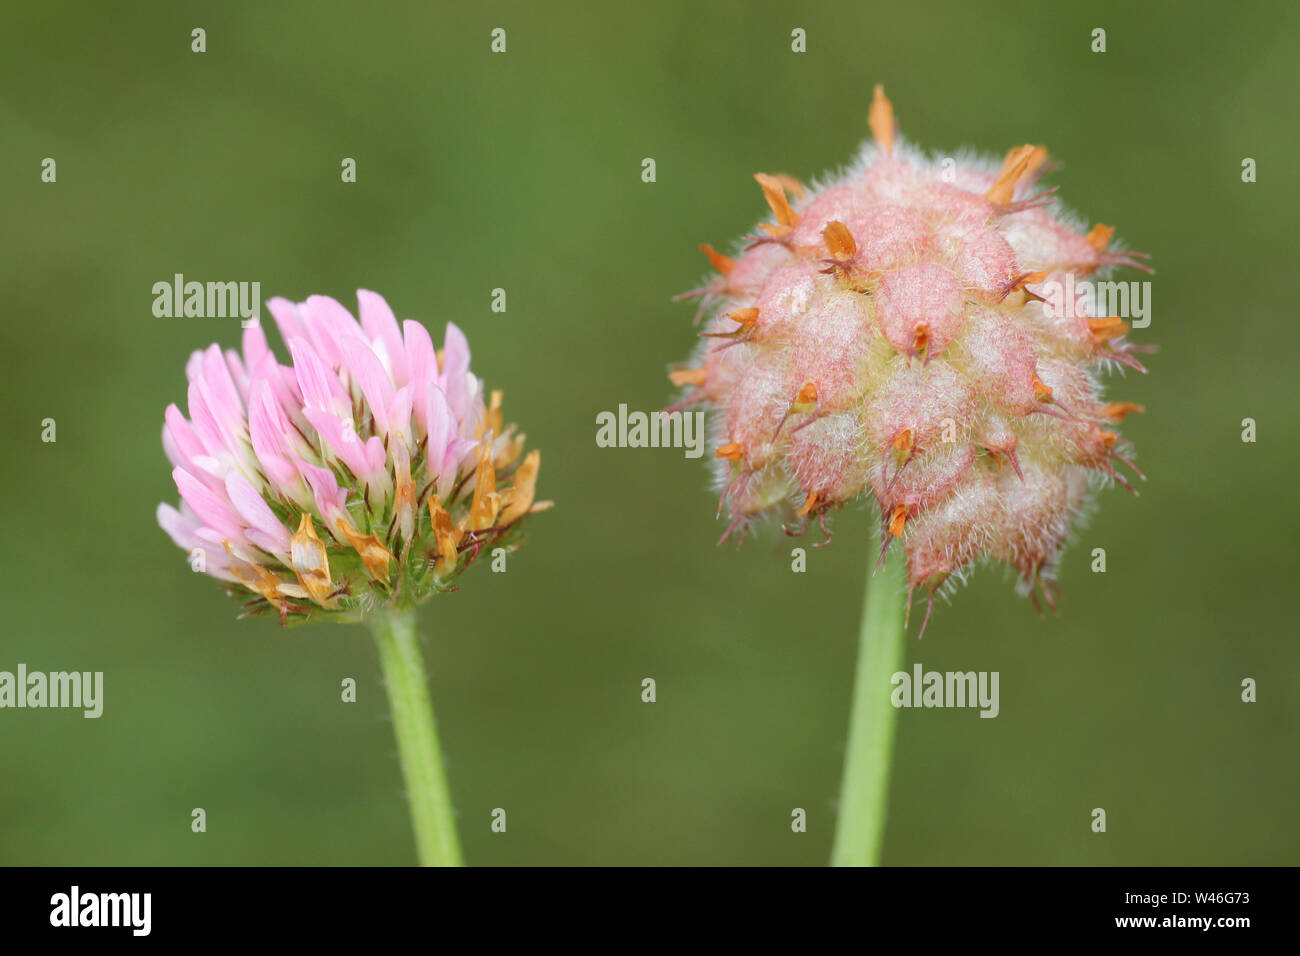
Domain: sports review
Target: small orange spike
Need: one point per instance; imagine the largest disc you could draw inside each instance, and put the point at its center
(1013, 167)
(1099, 236)
(903, 441)
(1042, 391)
(731, 450)
(1029, 278)
(808, 505)
(791, 184)
(839, 241)
(688, 376)
(921, 337)
(880, 117)
(774, 193)
(1109, 438)
(1035, 160)
(744, 317)
(723, 264)
(1116, 411)
(897, 519)
(807, 396)
(1111, 327)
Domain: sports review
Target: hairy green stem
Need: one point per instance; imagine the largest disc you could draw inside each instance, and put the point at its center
(882, 652)
(417, 738)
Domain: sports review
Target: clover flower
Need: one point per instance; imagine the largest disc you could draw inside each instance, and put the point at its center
(887, 336)
(368, 474)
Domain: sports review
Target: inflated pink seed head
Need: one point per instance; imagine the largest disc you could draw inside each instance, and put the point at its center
(888, 335)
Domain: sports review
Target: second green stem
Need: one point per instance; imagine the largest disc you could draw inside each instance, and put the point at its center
(882, 652)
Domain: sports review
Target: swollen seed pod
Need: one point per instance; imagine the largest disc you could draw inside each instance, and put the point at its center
(900, 333)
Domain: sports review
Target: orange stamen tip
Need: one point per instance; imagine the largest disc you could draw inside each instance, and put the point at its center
(1109, 438)
(1111, 327)
(808, 505)
(880, 118)
(1099, 237)
(688, 376)
(731, 450)
(775, 230)
(1116, 411)
(839, 241)
(723, 264)
(897, 519)
(1042, 391)
(807, 395)
(774, 193)
(1014, 166)
(903, 441)
(744, 317)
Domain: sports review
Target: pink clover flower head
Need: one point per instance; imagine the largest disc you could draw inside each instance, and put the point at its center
(369, 472)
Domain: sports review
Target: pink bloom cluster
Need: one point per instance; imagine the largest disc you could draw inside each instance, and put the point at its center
(889, 335)
(369, 471)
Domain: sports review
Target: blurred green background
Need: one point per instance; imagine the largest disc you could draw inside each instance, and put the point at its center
(522, 171)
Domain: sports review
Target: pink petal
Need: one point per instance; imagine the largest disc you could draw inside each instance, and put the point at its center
(380, 324)
(268, 429)
(330, 499)
(399, 413)
(375, 384)
(182, 528)
(213, 510)
(377, 458)
(320, 387)
(238, 373)
(455, 379)
(287, 319)
(255, 347)
(330, 325)
(222, 395)
(194, 366)
(365, 461)
(441, 427)
(455, 354)
(179, 527)
(177, 430)
(205, 424)
(423, 369)
(255, 511)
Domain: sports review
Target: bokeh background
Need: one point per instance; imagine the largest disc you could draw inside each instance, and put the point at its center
(522, 171)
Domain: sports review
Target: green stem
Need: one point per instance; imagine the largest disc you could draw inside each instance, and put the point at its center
(882, 652)
(417, 738)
